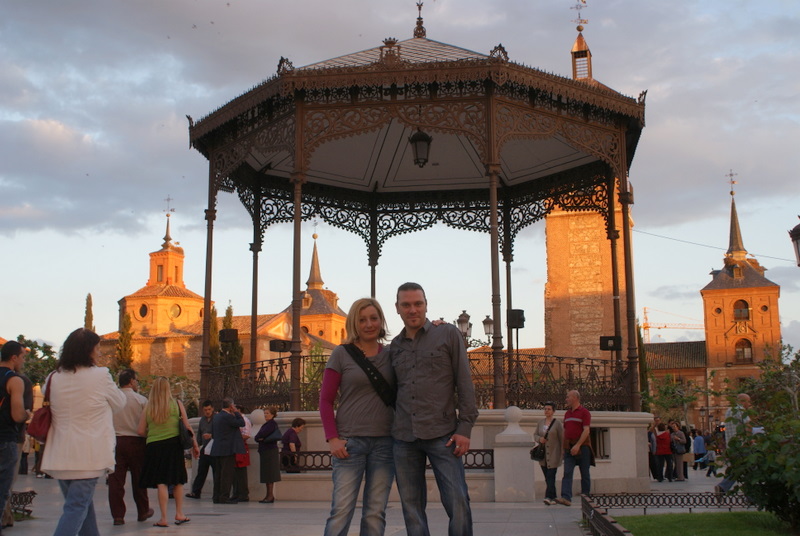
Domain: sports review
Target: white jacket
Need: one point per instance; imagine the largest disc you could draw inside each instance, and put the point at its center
(81, 440)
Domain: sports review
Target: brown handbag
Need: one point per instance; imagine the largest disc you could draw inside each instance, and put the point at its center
(40, 423)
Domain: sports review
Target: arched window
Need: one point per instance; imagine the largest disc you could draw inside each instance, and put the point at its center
(741, 310)
(744, 351)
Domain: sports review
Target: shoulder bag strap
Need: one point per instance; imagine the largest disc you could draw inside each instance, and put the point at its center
(386, 392)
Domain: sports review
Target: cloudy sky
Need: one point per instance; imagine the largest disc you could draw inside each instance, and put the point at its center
(94, 138)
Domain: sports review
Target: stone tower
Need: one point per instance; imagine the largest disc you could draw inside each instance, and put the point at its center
(579, 297)
(740, 310)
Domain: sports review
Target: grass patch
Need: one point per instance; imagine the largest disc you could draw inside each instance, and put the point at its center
(705, 524)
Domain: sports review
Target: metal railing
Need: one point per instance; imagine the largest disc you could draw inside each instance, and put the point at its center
(320, 460)
(530, 381)
(595, 508)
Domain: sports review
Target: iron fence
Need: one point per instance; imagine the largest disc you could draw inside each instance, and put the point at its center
(530, 381)
(320, 460)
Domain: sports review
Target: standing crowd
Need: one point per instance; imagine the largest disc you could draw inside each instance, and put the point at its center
(399, 407)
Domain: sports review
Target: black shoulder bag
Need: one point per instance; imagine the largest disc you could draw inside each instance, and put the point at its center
(387, 393)
(538, 452)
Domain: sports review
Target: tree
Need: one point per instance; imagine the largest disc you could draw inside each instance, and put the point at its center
(231, 351)
(213, 339)
(673, 398)
(124, 357)
(766, 466)
(88, 316)
(40, 361)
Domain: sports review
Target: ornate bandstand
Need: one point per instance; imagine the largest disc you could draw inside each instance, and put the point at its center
(397, 138)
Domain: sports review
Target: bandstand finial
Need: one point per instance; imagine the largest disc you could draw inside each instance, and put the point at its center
(419, 29)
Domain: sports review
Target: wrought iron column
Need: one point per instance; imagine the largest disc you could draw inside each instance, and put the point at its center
(613, 235)
(508, 258)
(497, 336)
(255, 247)
(211, 215)
(297, 299)
(626, 199)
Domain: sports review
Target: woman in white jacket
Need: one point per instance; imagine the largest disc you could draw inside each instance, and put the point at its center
(80, 444)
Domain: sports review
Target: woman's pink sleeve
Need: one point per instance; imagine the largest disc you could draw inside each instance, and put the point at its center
(327, 395)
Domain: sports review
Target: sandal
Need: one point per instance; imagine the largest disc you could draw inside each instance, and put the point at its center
(182, 521)
(160, 525)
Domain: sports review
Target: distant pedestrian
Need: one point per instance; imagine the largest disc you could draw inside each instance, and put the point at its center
(699, 446)
(550, 433)
(12, 415)
(81, 440)
(270, 470)
(205, 461)
(678, 439)
(129, 452)
(227, 444)
(664, 456)
(164, 465)
(241, 488)
(577, 447)
(291, 445)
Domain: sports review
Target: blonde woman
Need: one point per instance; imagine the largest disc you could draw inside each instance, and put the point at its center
(359, 436)
(163, 465)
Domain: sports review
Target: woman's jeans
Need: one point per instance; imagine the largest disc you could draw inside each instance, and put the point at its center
(550, 481)
(370, 459)
(78, 516)
(410, 460)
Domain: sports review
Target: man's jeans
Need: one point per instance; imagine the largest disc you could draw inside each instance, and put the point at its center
(8, 466)
(370, 459)
(78, 516)
(582, 460)
(409, 461)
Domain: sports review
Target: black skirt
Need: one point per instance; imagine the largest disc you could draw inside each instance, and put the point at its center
(163, 464)
(270, 466)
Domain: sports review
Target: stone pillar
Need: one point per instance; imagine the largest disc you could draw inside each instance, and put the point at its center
(514, 471)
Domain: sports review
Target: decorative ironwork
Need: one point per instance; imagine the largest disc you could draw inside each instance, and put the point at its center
(671, 500)
(600, 523)
(320, 460)
(20, 502)
(531, 380)
(499, 53)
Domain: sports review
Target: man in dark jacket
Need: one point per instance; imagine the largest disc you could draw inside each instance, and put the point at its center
(227, 443)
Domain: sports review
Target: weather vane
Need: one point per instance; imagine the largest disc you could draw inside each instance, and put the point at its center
(580, 20)
(169, 200)
(730, 176)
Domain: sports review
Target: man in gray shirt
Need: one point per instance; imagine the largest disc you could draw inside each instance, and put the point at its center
(434, 415)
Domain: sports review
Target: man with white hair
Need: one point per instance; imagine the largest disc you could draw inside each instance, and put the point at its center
(577, 447)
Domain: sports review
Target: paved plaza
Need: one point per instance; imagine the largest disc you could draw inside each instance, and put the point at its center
(296, 518)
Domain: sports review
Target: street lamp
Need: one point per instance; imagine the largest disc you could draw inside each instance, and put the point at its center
(794, 234)
(465, 327)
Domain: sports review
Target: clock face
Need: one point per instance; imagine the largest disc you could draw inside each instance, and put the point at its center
(175, 311)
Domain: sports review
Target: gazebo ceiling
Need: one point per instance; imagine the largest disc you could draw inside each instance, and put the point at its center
(382, 161)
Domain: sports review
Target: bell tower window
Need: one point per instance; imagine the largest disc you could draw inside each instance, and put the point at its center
(744, 351)
(160, 273)
(741, 311)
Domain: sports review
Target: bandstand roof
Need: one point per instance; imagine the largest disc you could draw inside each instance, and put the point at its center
(343, 126)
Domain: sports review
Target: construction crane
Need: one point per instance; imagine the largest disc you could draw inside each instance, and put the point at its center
(647, 325)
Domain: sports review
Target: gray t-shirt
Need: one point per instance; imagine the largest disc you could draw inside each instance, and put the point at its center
(361, 412)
